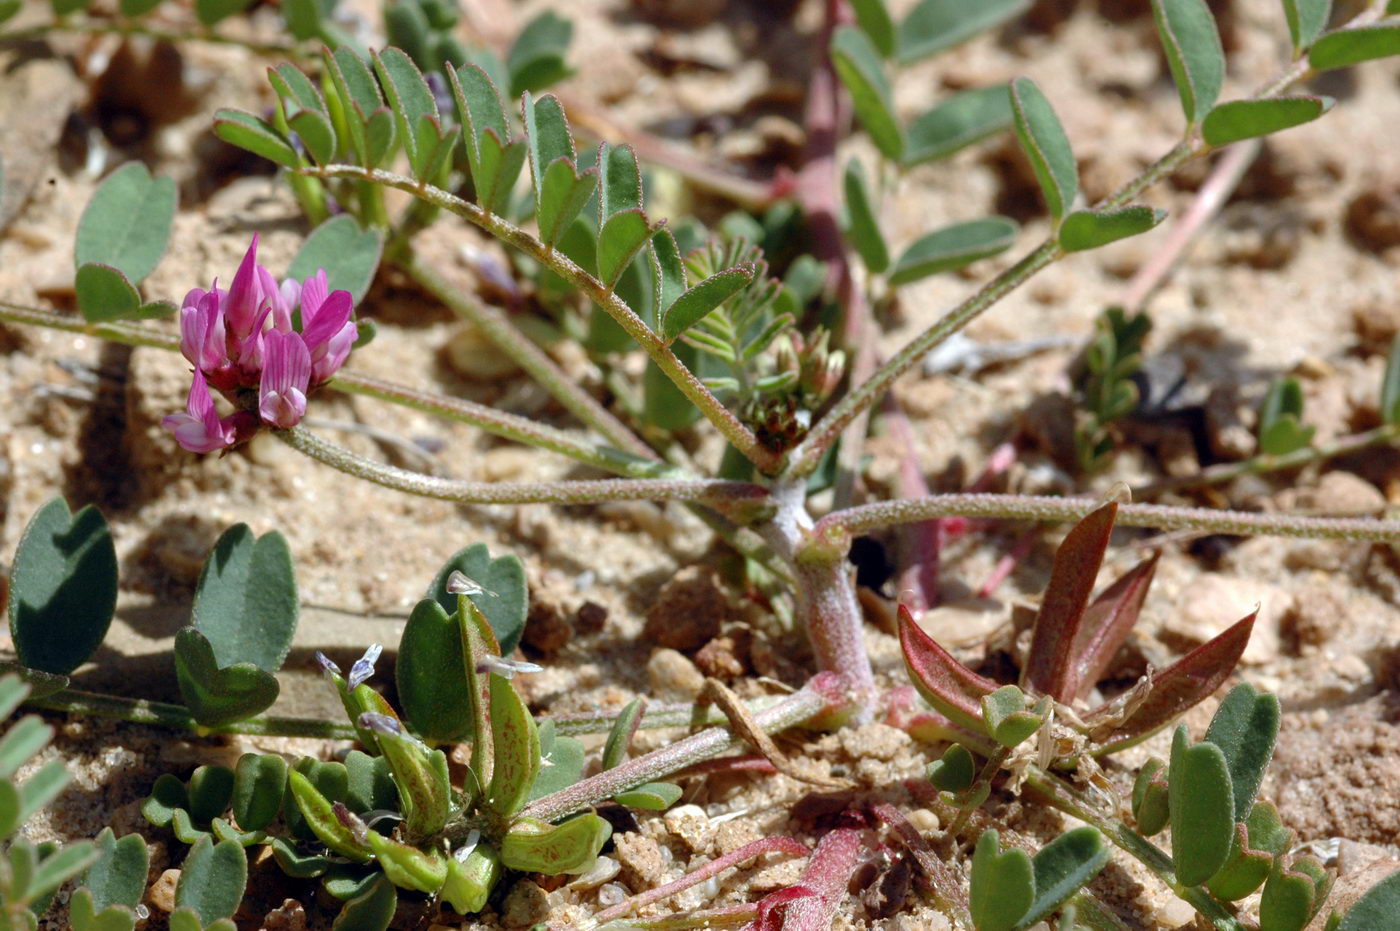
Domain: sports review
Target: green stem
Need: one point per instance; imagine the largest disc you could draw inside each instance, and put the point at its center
(127, 334)
(509, 426)
(1071, 802)
(604, 297)
(1260, 465)
(91, 27)
(836, 530)
(523, 351)
(743, 497)
(654, 718)
(178, 717)
(817, 697)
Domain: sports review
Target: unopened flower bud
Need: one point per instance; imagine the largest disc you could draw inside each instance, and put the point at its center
(505, 668)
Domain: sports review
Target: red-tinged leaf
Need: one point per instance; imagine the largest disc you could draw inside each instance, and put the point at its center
(827, 875)
(1051, 668)
(946, 684)
(1106, 624)
(1171, 692)
(770, 918)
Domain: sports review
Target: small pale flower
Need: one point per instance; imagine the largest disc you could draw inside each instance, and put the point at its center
(328, 666)
(200, 429)
(381, 724)
(364, 666)
(285, 376)
(506, 668)
(463, 852)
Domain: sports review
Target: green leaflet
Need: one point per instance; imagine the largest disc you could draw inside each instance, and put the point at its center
(1003, 885)
(935, 25)
(63, 587)
(952, 247)
(349, 254)
(1192, 44)
(536, 58)
(246, 601)
(1245, 727)
(570, 847)
(561, 191)
(1202, 809)
(863, 228)
(963, 119)
(254, 134)
(1062, 867)
(858, 64)
(1246, 119)
(214, 695)
(1306, 20)
(105, 294)
(1353, 46)
(692, 306)
(1089, 229)
(127, 223)
(212, 879)
(873, 17)
(1046, 145)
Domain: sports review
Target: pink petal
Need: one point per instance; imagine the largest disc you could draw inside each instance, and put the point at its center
(334, 352)
(244, 297)
(199, 429)
(286, 374)
(313, 295)
(326, 320)
(271, 296)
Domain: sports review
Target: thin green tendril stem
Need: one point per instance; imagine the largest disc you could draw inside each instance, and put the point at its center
(178, 717)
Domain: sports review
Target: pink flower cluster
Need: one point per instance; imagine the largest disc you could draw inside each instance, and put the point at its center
(244, 340)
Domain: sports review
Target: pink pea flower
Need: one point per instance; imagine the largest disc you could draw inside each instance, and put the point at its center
(202, 336)
(199, 429)
(245, 295)
(286, 373)
(326, 326)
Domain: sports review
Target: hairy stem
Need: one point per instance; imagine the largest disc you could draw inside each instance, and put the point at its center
(825, 692)
(836, 530)
(722, 495)
(178, 717)
(724, 420)
(530, 357)
(654, 718)
(125, 29)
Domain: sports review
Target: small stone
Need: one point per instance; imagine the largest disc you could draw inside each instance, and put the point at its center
(688, 610)
(526, 905)
(731, 835)
(289, 916)
(1342, 493)
(1376, 324)
(873, 741)
(1229, 424)
(1316, 613)
(1216, 601)
(547, 629)
(778, 876)
(923, 820)
(643, 863)
(1373, 218)
(1049, 422)
(161, 895)
(726, 657)
(691, 825)
(669, 671)
(590, 617)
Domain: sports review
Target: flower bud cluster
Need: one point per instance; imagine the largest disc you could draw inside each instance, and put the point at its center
(261, 344)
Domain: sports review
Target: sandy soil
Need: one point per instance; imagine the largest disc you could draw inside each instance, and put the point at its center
(1298, 275)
